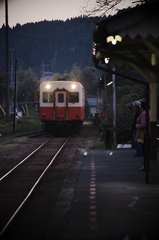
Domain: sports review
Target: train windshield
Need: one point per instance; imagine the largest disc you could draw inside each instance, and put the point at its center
(60, 97)
(47, 97)
(73, 97)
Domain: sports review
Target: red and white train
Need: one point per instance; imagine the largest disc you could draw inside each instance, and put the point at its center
(62, 105)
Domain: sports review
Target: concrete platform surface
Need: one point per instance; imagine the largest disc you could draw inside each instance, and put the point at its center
(105, 197)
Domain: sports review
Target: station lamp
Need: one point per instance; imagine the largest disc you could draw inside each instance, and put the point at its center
(106, 60)
(114, 39)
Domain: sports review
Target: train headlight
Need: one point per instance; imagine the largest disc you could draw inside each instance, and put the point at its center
(48, 86)
(73, 86)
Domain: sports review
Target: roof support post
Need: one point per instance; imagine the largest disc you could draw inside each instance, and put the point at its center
(7, 62)
(151, 46)
(154, 168)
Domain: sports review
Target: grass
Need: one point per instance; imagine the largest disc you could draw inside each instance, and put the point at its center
(98, 144)
(21, 140)
(23, 125)
(52, 184)
(8, 148)
(89, 130)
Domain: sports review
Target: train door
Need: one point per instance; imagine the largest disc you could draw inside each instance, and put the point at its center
(61, 105)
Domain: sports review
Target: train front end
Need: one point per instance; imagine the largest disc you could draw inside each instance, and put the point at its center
(62, 105)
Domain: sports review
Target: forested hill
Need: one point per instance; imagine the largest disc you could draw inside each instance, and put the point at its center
(58, 44)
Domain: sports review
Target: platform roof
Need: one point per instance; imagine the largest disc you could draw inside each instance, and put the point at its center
(138, 28)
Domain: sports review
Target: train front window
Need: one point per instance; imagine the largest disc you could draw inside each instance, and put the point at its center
(47, 97)
(73, 97)
(60, 97)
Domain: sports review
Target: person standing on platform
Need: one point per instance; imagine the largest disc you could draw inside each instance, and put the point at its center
(141, 125)
(136, 145)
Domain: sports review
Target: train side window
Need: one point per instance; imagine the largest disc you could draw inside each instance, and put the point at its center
(73, 97)
(60, 97)
(47, 97)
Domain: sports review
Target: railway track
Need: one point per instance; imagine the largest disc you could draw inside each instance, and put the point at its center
(18, 184)
(11, 139)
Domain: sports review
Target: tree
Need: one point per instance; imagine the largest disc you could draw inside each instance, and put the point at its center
(103, 6)
(126, 92)
(2, 87)
(107, 7)
(56, 76)
(27, 84)
(87, 76)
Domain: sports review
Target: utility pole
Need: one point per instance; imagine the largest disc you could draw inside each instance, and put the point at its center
(15, 96)
(104, 93)
(7, 61)
(114, 109)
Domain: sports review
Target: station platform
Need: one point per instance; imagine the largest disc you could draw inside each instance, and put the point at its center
(105, 197)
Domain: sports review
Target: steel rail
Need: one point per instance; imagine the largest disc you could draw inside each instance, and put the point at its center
(15, 167)
(32, 189)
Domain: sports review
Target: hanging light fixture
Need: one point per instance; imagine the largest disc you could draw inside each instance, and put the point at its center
(106, 60)
(114, 39)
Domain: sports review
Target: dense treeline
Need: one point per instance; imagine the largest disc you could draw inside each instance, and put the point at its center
(58, 44)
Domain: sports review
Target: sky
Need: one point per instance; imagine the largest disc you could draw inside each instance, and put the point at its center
(23, 11)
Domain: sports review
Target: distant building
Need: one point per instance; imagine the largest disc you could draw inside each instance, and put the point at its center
(93, 104)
